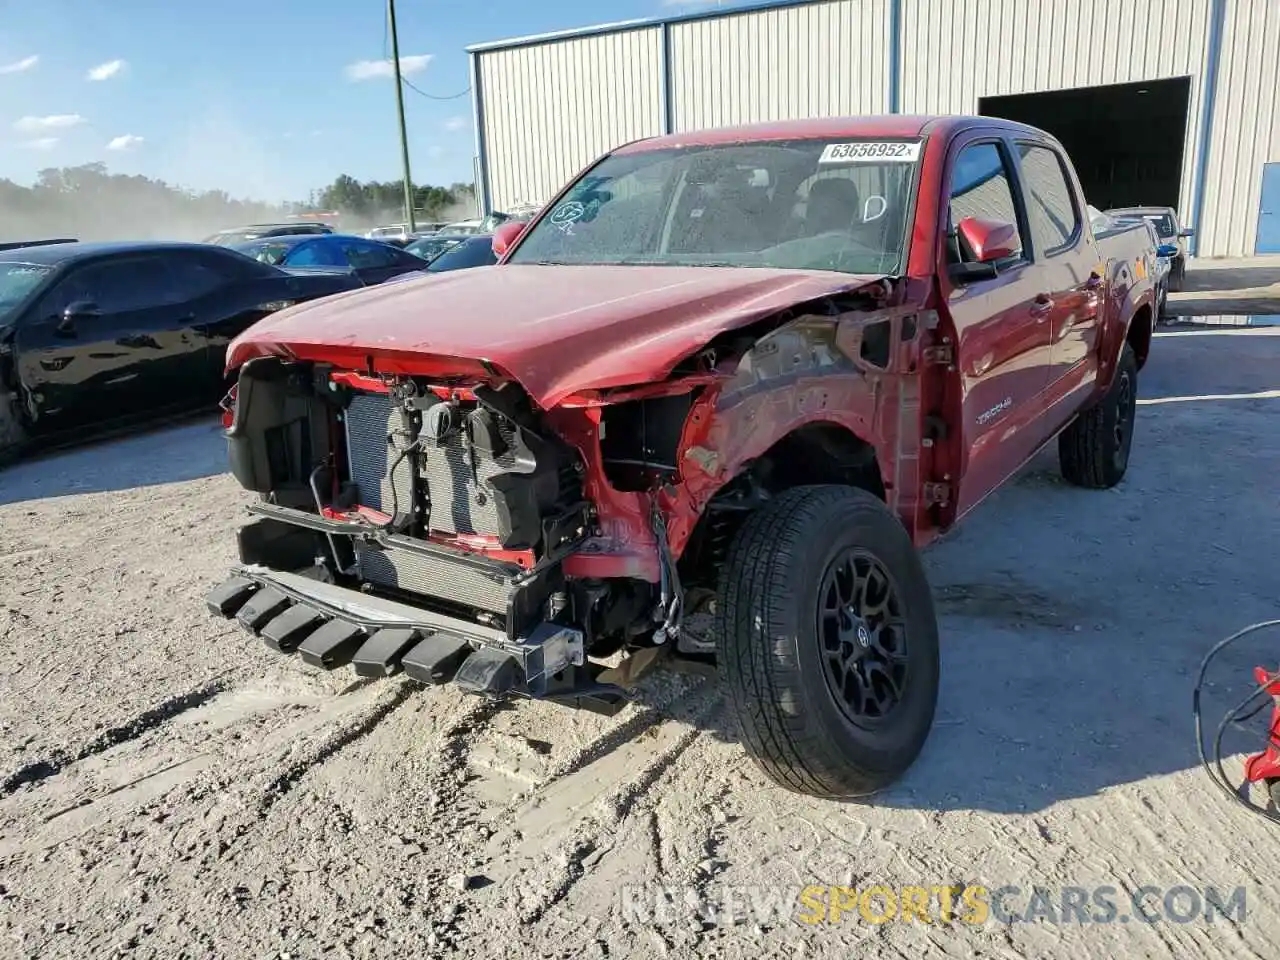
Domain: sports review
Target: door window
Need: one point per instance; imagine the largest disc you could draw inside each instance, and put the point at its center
(119, 286)
(982, 187)
(365, 256)
(196, 279)
(1051, 207)
(315, 254)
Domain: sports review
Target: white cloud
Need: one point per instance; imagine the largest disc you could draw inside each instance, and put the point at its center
(20, 66)
(455, 123)
(373, 69)
(43, 143)
(56, 121)
(105, 71)
(126, 142)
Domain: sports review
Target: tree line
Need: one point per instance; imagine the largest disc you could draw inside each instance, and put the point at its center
(383, 202)
(89, 202)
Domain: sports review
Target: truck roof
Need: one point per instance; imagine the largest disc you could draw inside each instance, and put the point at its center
(880, 125)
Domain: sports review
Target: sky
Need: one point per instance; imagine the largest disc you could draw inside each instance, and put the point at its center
(266, 100)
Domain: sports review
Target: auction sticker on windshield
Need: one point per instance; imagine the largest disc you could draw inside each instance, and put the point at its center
(871, 152)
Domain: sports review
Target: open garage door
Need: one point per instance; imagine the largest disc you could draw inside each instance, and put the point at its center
(1126, 139)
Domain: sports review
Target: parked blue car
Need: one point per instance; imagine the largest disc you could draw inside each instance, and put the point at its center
(370, 260)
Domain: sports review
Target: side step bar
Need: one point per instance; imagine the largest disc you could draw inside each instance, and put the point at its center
(331, 626)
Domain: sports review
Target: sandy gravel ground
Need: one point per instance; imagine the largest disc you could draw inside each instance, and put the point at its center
(170, 789)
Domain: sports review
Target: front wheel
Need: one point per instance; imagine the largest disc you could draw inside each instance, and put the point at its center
(1094, 451)
(1177, 274)
(828, 642)
(13, 435)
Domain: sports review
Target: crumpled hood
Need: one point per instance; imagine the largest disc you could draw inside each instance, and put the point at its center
(556, 329)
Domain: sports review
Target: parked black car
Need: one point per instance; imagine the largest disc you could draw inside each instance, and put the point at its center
(471, 252)
(371, 260)
(92, 334)
(430, 247)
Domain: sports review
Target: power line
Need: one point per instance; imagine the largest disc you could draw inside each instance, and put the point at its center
(386, 54)
(431, 96)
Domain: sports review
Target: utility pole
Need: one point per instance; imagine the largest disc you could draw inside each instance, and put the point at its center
(404, 137)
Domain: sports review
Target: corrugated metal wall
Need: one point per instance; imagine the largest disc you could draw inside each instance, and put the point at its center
(820, 60)
(1037, 45)
(1246, 126)
(552, 108)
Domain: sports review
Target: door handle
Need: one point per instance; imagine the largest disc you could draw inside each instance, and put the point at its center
(1041, 306)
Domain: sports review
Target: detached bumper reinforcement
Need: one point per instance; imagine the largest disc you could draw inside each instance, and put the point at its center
(331, 626)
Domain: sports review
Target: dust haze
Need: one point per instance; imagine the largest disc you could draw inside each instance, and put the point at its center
(94, 201)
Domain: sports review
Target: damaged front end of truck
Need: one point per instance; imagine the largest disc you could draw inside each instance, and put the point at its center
(431, 515)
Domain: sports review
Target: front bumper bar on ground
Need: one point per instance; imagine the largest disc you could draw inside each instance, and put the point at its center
(331, 626)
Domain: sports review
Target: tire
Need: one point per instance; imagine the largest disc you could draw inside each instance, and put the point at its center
(1162, 301)
(1094, 451)
(13, 435)
(801, 733)
(1177, 274)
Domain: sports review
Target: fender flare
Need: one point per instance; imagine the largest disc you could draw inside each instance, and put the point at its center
(1118, 328)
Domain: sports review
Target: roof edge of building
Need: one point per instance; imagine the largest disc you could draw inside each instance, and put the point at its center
(641, 23)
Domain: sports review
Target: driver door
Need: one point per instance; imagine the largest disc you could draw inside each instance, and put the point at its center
(91, 366)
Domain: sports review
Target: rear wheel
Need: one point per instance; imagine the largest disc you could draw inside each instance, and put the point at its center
(828, 642)
(1094, 450)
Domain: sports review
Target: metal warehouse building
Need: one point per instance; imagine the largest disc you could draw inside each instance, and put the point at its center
(1174, 103)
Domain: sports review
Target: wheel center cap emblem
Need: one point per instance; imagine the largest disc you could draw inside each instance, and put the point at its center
(864, 636)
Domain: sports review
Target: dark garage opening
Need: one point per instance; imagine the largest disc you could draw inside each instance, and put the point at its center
(1125, 139)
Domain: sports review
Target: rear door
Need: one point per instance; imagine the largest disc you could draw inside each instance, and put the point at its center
(214, 298)
(1001, 324)
(118, 356)
(1066, 261)
(233, 292)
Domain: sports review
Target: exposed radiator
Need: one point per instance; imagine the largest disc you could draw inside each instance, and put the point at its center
(370, 420)
(460, 498)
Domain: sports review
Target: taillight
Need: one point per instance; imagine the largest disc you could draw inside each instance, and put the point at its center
(228, 405)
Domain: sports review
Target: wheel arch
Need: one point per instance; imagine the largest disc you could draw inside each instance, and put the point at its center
(1141, 330)
(815, 451)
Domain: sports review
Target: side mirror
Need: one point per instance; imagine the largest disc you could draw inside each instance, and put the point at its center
(79, 310)
(505, 237)
(1186, 232)
(989, 240)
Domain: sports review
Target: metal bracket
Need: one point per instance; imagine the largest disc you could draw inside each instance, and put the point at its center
(547, 650)
(937, 494)
(942, 354)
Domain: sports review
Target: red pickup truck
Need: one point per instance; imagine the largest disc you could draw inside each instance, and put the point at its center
(705, 409)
